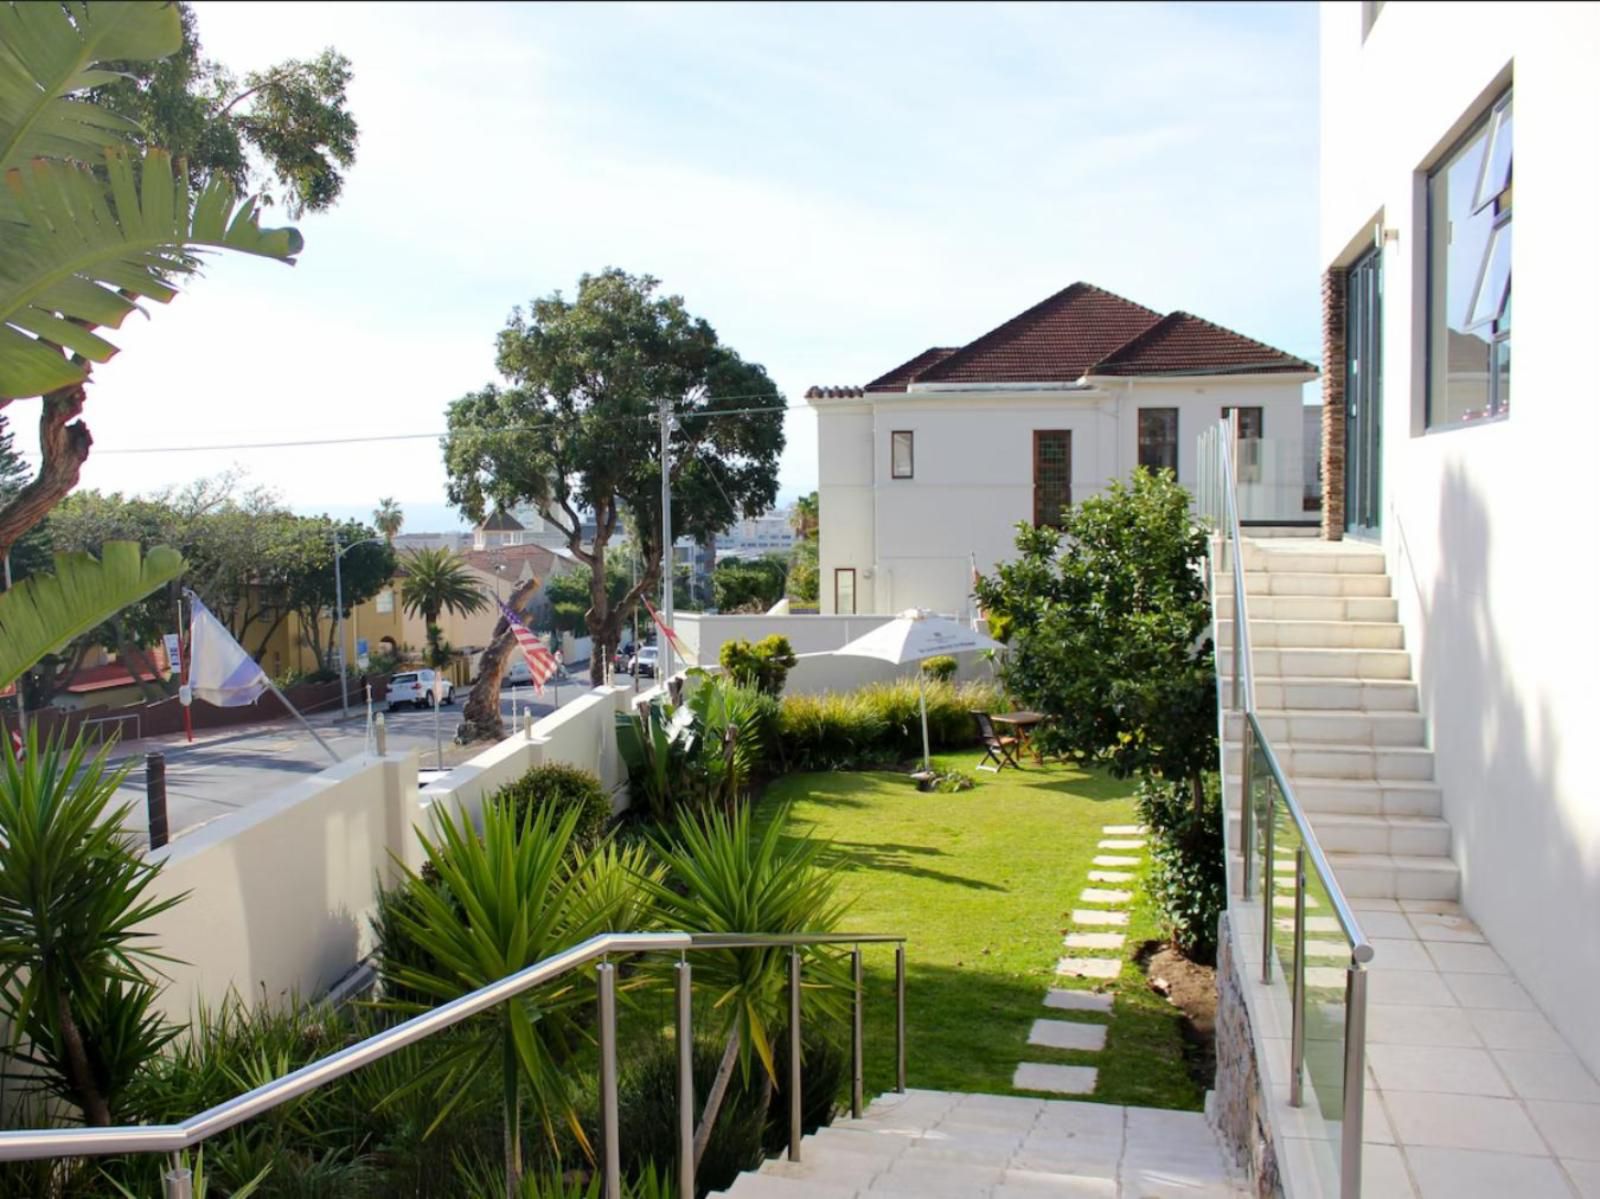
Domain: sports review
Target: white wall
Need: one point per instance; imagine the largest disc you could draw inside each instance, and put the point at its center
(820, 674)
(807, 632)
(1489, 527)
(844, 501)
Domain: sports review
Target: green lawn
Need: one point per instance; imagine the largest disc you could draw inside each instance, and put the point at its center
(982, 882)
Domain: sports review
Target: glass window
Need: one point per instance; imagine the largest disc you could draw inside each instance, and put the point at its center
(844, 591)
(901, 456)
(1158, 439)
(1469, 275)
(1052, 475)
(386, 601)
(1247, 453)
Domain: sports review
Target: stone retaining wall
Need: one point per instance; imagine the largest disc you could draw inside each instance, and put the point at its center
(1237, 1107)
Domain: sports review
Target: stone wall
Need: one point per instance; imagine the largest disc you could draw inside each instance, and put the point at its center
(1333, 381)
(1236, 1105)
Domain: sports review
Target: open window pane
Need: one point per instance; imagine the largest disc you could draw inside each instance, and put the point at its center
(1494, 287)
(1495, 177)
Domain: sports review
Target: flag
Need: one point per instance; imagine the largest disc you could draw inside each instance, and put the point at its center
(673, 639)
(220, 671)
(541, 662)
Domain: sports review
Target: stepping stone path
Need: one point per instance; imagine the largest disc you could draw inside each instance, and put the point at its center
(1090, 934)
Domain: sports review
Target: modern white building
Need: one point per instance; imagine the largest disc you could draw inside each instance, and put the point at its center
(1465, 462)
(928, 469)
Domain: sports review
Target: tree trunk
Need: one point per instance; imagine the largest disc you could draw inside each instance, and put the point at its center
(64, 445)
(715, 1096)
(96, 1111)
(480, 715)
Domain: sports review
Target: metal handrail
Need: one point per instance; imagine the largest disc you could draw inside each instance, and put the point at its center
(26, 1144)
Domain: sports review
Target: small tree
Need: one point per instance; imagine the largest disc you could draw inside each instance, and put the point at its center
(1110, 633)
(388, 518)
(438, 580)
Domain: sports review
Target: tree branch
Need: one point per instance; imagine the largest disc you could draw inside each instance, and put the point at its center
(64, 443)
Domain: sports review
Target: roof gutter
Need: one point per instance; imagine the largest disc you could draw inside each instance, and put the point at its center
(1075, 385)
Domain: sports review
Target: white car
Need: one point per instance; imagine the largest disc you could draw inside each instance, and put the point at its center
(415, 687)
(644, 662)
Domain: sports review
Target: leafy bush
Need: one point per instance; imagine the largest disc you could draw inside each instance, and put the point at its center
(764, 666)
(879, 725)
(1188, 877)
(710, 749)
(941, 669)
(952, 781)
(824, 1075)
(559, 786)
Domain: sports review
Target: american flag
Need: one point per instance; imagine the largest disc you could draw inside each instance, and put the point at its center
(541, 663)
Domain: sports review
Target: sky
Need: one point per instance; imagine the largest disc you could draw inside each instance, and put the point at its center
(835, 188)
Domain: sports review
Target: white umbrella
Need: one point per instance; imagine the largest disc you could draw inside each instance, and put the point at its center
(912, 636)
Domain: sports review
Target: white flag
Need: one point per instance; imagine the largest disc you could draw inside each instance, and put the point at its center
(220, 672)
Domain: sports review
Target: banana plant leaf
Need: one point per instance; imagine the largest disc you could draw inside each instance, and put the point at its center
(43, 613)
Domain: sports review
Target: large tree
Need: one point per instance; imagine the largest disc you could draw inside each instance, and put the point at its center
(100, 212)
(573, 430)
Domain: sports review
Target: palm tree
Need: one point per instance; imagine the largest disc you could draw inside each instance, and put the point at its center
(803, 517)
(438, 580)
(388, 518)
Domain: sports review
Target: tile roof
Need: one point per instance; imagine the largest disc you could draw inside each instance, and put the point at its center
(833, 393)
(1184, 344)
(1057, 340)
(908, 372)
(501, 522)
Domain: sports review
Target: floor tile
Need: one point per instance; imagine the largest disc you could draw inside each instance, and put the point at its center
(1061, 1080)
(1105, 895)
(1541, 1075)
(1094, 940)
(1433, 926)
(1585, 1176)
(1090, 967)
(1420, 1024)
(1488, 990)
(1067, 1034)
(1515, 1030)
(1095, 916)
(1458, 958)
(1111, 859)
(1573, 1129)
(1439, 906)
(1383, 1174)
(1462, 1122)
(1076, 1001)
(1409, 987)
(1470, 1174)
(1111, 876)
(1392, 953)
(1374, 905)
(1386, 924)
(1440, 1068)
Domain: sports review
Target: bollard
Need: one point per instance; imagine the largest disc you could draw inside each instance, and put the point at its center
(155, 796)
(381, 733)
(527, 726)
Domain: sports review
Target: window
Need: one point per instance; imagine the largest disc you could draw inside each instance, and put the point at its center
(1469, 276)
(386, 601)
(1158, 439)
(901, 456)
(1248, 449)
(844, 591)
(1052, 475)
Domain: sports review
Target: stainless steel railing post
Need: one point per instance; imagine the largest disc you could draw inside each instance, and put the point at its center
(900, 1018)
(1269, 886)
(1297, 1015)
(794, 1055)
(1247, 807)
(1355, 1076)
(611, 1162)
(856, 1047)
(685, 998)
(178, 1182)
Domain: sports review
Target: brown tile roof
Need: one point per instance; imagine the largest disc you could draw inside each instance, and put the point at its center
(512, 556)
(832, 393)
(1056, 340)
(908, 372)
(1183, 344)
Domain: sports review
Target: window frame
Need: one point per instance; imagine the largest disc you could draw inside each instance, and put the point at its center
(1496, 405)
(911, 453)
(1038, 436)
(1247, 471)
(1177, 437)
(838, 572)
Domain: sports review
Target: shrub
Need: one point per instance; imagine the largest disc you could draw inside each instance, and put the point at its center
(1188, 877)
(952, 781)
(560, 786)
(880, 724)
(764, 666)
(941, 669)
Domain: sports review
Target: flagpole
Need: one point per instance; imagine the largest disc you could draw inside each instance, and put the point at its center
(295, 712)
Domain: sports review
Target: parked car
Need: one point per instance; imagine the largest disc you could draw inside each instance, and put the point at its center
(516, 673)
(622, 660)
(415, 687)
(644, 663)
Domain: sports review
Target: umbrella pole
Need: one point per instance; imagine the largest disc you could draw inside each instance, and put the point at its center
(922, 699)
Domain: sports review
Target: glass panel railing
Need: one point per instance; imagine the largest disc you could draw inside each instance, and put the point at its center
(1270, 476)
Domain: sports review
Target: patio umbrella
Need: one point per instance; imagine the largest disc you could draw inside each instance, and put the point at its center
(912, 636)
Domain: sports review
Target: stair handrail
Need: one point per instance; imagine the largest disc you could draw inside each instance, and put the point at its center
(31, 1144)
(1223, 504)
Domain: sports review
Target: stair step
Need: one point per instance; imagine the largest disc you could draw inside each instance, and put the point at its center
(1260, 582)
(1305, 560)
(1329, 760)
(1406, 836)
(1356, 797)
(1351, 694)
(1308, 662)
(1317, 634)
(1314, 607)
(1293, 725)
(1395, 876)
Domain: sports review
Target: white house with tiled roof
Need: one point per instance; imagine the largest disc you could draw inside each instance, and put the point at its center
(930, 466)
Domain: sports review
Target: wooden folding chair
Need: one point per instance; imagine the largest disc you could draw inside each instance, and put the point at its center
(996, 749)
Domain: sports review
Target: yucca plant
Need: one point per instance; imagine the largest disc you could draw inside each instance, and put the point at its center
(74, 894)
(503, 902)
(725, 877)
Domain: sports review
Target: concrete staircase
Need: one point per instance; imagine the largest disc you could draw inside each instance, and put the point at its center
(938, 1144)
(1334, 694)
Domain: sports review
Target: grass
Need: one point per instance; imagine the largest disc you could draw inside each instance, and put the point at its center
(983, 882)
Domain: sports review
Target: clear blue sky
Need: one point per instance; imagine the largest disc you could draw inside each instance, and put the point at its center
(834, 188)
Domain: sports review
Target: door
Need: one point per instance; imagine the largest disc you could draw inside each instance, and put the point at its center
(1363, 397)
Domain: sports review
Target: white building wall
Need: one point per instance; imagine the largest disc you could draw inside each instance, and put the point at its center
(844, 500)
(1489, 527)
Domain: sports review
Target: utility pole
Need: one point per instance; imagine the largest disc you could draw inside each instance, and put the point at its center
(668, 562)
(338, 614)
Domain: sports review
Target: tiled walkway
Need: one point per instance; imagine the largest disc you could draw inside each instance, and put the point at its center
(1094, 932)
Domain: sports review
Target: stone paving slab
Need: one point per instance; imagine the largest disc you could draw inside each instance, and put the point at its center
(1090, 967)
(1108, 859)
(1111, 876)
(1096, 916)
(1076, 1001)
(1121, 843)
(1102, 895)
(1094, 940)
(1131, 830)
(1066, 1034)
(1061, 1080)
